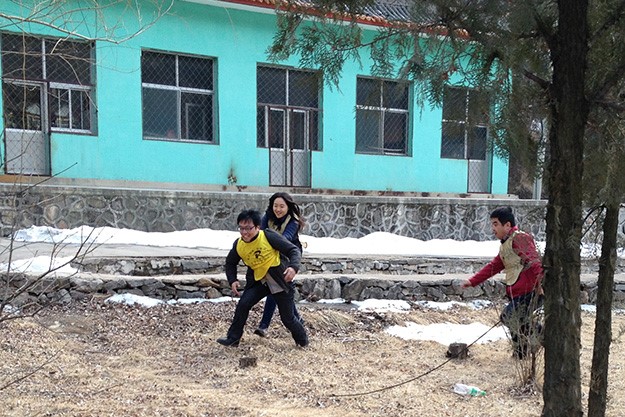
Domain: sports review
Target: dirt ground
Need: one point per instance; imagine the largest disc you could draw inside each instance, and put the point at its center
(100, 359)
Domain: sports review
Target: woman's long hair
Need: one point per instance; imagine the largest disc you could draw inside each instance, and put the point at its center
(294, 209)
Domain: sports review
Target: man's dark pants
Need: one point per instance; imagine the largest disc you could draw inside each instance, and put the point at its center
(517, 316)
(253, 293)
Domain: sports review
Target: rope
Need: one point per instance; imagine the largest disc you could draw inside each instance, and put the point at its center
(429, 371)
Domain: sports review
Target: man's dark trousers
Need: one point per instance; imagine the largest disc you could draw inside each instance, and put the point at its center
(253, 293)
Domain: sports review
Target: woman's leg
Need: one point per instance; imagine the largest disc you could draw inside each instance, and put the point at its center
(268, 311)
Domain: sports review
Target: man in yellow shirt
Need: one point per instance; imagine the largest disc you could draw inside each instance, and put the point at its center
(275, 262)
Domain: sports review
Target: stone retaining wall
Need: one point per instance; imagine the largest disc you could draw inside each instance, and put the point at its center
(310, 265)
(311, 287)
(327, 215)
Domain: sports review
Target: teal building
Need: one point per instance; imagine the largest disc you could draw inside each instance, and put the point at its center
(183, 93)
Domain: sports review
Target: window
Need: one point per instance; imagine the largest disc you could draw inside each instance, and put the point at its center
(382, 116)
(63, 69)
(288, 110)
(465, 119)
(178, 97)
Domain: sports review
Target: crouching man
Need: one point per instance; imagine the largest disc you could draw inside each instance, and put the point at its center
(522, 263)
(275, 262)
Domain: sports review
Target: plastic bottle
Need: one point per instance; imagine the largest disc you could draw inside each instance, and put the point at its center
(463, 389)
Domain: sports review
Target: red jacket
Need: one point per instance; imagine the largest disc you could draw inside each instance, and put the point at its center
(532, 273)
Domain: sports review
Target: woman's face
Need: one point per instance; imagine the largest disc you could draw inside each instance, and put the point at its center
(280, 209)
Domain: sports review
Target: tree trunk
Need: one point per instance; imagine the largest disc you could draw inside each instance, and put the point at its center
(603, 321)
(569, 111)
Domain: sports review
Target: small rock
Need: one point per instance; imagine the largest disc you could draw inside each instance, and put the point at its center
(247, 361)
(458, 351)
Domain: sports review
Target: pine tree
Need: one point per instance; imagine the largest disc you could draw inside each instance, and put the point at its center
(551, 62)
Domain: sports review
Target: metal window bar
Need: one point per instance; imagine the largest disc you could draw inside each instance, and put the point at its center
(458, 111)
(73, 117)
(288, 114)
(175, 111)
(12, 49)
(377, 125)
(290, 90)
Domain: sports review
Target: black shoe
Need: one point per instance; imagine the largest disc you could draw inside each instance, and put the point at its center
(226, 341)
(261, 332)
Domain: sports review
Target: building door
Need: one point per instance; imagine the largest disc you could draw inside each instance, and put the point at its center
(479, 160)
(289, 149)
(479, 176)
(27, 139)
(288, 122)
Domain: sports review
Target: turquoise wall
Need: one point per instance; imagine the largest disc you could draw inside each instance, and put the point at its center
(238, 40)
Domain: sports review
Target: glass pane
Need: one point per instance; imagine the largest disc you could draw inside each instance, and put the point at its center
(395, 132)
(58, 100)
(276, 129)
(260, 127)
(452, 144)
(195, 72)
(157, 68)
(21, 57)
(197, 116)
(396, 95)
(478, 107)
(303, 89)
(81, 110)
(315, 128)
(297, 131)
(22, 106)
(68, 61)
(477, 143)
(368, 131)
(271, 85)
(368, 92)
(160, 113)
(454, 104)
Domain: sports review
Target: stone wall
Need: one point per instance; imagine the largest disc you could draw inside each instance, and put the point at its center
(309, 287)
(327, 215)
(344, 265)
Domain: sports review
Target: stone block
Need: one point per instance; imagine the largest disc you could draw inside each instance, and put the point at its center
(135, 282)
(207, 282)
(436, 294)
(151, 287)
(212, 293)
(333, 289)
(79, 295)
(194, 265)
(395, 292)
(353, 289)
(114, 284)
(86, 285)
(372, 292)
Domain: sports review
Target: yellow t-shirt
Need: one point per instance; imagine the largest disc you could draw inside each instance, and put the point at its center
(258, 255)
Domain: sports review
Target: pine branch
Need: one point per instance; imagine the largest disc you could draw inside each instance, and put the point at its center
(608, 24)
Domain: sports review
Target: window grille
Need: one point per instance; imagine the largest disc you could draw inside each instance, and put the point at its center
(178, 97)
(66, 70)
(465, 120)
(288, 102)
(382, 116)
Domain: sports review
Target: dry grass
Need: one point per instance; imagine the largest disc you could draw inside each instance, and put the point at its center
(113, 360)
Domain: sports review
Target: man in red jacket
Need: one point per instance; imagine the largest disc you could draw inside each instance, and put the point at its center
(522, 263)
